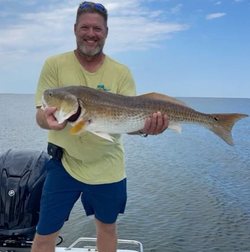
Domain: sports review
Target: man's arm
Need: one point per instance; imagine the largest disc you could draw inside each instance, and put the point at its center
(48, 79)
(46, 120)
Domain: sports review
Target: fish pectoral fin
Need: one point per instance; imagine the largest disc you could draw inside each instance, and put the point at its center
(79, 127)
(165, 98)
(103, 135)
(174, 126)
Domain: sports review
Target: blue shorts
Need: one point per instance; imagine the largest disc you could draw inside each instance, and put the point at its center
(61, 191)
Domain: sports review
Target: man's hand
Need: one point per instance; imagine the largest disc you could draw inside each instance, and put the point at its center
(46, 119)
(156, 124)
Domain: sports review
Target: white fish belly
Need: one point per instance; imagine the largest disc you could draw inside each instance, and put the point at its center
(114, 126)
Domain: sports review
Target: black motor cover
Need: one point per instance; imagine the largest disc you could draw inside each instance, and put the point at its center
(22, 174)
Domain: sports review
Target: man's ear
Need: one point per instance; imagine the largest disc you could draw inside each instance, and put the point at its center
(107, 31)
(75, 29)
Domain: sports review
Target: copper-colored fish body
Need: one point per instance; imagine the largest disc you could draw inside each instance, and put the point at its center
(105, 113)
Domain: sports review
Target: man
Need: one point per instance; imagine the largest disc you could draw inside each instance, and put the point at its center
(90, 166)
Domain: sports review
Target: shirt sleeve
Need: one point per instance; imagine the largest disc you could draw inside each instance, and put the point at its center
(128, 85)
(48, 79)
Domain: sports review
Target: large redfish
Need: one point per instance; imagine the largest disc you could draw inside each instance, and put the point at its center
(104, 113)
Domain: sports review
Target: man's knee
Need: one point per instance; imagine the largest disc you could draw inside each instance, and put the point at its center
(45, 243)
(105, 227)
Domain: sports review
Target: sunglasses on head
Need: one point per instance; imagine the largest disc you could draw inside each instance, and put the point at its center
(96, 5)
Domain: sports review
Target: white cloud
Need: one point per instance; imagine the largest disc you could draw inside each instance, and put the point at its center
(218, 3)
(177, 8)
(215, 15)
(238, 1)
(141, 36)
(154, 14)
(46, 30)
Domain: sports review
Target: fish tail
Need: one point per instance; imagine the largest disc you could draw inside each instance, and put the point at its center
(223, 124)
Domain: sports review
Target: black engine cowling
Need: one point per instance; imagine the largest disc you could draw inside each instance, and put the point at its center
(22, 174)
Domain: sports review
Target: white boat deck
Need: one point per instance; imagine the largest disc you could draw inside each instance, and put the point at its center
(74, 247)
(83, 244)
(90, 250)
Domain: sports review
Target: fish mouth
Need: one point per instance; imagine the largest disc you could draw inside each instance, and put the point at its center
(75, 116)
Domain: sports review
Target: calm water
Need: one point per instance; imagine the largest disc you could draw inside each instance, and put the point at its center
(186, 192)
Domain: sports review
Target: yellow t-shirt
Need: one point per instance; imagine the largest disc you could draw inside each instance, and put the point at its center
(87, 157)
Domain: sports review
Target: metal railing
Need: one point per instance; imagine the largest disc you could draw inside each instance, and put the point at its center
(119, 241)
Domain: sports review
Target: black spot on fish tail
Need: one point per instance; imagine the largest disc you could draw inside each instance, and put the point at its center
(224, 124)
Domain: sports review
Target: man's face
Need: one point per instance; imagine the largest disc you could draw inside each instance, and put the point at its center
(91, 33)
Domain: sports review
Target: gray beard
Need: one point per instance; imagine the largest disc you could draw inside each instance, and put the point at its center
(90, 53)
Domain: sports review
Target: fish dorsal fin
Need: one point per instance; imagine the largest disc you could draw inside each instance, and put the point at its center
(164, 98)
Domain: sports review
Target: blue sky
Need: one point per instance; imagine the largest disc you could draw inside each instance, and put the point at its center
(180, 48)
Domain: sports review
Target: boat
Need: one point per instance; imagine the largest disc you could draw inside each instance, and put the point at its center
(22, 174)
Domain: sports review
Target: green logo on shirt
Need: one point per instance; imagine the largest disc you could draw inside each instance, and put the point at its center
(102, 87)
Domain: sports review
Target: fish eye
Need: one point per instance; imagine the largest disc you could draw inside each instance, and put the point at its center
(50, 94)
(216, 119)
